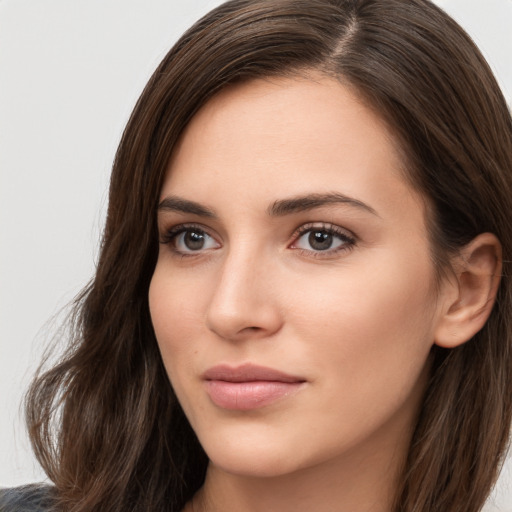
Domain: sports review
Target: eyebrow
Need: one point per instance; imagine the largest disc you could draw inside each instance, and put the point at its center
(180, 205)
(311, 201)
(279, 208)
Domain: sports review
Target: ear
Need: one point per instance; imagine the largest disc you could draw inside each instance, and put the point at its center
(468, 297)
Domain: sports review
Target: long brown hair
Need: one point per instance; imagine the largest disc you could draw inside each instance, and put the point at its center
(104, 421)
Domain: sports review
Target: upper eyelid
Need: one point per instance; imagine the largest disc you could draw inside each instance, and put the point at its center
(327, 226)
(168, 233)
(187, 225)
(183, 226)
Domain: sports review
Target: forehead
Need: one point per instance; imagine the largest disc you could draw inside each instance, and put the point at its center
(287, 136)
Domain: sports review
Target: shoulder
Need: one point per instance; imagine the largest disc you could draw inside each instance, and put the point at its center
(27, 498)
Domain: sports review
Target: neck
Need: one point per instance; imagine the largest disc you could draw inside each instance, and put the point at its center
(362, 482)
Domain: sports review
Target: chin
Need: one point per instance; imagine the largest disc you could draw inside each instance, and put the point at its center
(255, 465)
(252, 455)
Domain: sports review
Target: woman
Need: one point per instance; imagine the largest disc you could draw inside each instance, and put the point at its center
(299, 302)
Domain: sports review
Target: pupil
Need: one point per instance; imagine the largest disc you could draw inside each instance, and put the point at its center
(320, 240)
(193, 240)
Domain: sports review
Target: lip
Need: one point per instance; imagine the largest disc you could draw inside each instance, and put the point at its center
(248, 386)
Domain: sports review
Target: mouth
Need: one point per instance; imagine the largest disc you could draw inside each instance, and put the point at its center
(248, 386)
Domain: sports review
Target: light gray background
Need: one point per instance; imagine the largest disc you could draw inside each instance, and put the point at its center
(70, 73)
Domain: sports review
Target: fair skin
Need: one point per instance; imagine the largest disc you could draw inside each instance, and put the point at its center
(291, 241)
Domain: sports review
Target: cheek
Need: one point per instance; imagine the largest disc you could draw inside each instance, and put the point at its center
(375, 322)
(367, 339)
(174, 313)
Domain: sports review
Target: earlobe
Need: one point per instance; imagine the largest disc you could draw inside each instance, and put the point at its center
(472, 291)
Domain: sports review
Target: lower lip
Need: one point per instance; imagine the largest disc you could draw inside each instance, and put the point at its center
(244, 396)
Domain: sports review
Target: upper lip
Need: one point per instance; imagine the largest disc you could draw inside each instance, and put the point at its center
(248, 373)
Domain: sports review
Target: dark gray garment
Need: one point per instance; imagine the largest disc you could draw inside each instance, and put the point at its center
(27, 498)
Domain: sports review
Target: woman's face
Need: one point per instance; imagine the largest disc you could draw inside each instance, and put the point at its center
(293, 298)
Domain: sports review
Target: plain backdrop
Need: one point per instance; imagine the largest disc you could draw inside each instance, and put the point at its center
(70, 73)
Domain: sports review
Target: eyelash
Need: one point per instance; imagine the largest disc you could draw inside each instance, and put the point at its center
(172, 234)
(348, 240)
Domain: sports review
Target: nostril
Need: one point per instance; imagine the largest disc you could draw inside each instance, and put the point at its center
(236, 311)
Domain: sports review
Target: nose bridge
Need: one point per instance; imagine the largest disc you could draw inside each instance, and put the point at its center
(243, 301)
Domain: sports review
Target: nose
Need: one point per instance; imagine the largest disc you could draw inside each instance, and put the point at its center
(244, 303)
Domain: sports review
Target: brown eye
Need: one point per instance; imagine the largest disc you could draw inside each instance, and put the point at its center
(191, 239)
(194, 240)
(320, 240)
(327, 238)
